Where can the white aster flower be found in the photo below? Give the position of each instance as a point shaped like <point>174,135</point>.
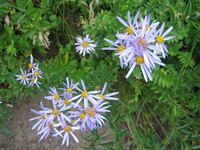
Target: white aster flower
<point>85,45</point>
<point>131,25</point>
<point>66,104</point>
<point>55,96</point>
<point>139,60</point>
<point>143,38</point>
<point>23,78</point>
<point>102,96</point>
<point>37,73</point>
<point>67,130</point>
<point>69,89</point>
<point>160,40</point>
<point>119,46</point>
<point>47,130</point>
<point>42,119</point>
<point>31,64</point>
<point>56,114</point>
<point>34,81</point>
<point>86,96</point>
<point>93,115</point>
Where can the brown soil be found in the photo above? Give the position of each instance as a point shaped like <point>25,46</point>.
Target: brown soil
<point>23,138</point>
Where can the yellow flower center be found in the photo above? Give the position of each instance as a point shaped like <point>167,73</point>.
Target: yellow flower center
<point>67,129</point>
<point>43,117</point>
<point>139,59</point>
<point>33,79</point>
<point>36,73</point>
<point>73,109</point>
<point>101,96</point>
<point>55,112</point>
<point>141,41</point>
<point>84,93</point>
<point>90,112</point>
<point>85,44</point>
<point>67,102</point>
<point>30,66</point>
<point>73,121</point>
<point>160,39</point>
<point>120,48</point>
<point>81,104</point>
<point>69,90</point>
<point>56,96</point>
<point>82,115</point>
<point>23,76</point>
<point>129,30</point>
<point>147,28</point>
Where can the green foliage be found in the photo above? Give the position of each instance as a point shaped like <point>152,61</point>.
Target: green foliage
<point>159,115</point>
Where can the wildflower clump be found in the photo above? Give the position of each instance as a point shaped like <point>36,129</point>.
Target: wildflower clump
<point>73,109</point>
<point>142,43</point>
<point>30,76</point>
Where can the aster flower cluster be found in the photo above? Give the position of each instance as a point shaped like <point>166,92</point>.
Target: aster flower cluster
<point>142,43</point>
<point>30,76</point>
<point>73,109</point>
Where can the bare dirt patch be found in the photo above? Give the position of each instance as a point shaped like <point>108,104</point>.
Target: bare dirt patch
<point>23,138</point>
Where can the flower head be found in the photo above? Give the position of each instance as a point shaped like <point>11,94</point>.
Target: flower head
<point>131,25</point>
<point>143,44</point>
<point>37,73</point>
<point>84,45</point>
<point>102,96</point>
<point>34,81</point>
<point>85,95</point>
<point>67,131</point>
<point>23,77</point>
<point>42,119</point>
<point>160,39</point>
<point>94,115</point>
<point>31,64</point>
<point>69,89</point>
<point>55,96</point>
